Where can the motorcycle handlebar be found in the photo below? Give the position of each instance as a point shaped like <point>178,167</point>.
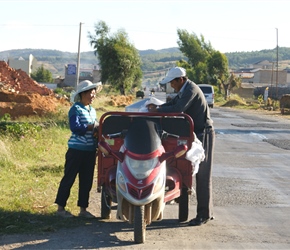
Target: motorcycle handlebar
<point>116,135</point>
<point>122,134</point>
<point>165,134</point>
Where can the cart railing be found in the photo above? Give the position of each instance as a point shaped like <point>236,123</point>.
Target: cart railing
<point>179,124</point>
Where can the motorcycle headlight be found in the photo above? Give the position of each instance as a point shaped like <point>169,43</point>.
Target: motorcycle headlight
<point>140,169</point>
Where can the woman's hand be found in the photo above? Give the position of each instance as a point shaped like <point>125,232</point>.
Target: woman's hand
<point>93,126</point>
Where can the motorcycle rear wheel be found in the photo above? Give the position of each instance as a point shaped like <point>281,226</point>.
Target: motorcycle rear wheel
<point>106,203</point>
<point>183,205</point>
<point>139,224</point>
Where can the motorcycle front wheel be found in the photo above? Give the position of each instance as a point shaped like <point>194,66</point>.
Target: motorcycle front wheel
<point>139,224</point>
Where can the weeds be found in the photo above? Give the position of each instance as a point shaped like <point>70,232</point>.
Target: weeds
<point>31,168</point>
<point>32,155</point>
<point>19,130</point>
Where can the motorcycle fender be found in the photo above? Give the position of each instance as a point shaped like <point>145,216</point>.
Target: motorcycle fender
<point>153,210</point>
<point>110,182</point>
<point>173,184</point>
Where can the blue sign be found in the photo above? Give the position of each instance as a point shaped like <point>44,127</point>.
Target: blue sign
<point>71,69</point>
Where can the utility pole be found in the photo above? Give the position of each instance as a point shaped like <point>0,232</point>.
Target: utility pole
<point>277,65</point>
<point>78,64</point>
<point>271,80</point>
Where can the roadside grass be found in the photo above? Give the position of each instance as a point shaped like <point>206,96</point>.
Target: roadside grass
<point>31,168</point>
<point>235,101</point>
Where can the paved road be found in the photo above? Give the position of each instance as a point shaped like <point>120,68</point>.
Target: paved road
<point>251,180</point>
<point>251,195</point>
<point>135,107</point>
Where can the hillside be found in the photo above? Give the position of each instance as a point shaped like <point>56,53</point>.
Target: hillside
<point>53,60</point>
<point>154,62</point>
<point>242,59</point>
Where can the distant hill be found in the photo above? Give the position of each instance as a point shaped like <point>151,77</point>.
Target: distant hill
<point>242,59</point>
<point>54,60</point>
<point>152,60</point>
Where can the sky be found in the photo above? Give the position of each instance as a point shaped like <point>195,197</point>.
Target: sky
<point>230,26</point>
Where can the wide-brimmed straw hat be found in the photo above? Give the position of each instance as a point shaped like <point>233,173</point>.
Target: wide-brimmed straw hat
<point>84,86</point>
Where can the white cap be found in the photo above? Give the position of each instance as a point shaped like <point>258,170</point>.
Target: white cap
<point>173,73</point>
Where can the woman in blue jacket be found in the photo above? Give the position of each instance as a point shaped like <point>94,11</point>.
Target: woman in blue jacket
<point>80,158</point>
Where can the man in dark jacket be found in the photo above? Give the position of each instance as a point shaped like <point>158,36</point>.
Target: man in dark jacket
<point>190,100</point>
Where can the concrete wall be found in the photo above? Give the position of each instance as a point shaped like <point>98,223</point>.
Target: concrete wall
<point>247,93</point>
<point>96,76</point>
<point>288,78</point>
<point>32,64</point>
<point>70,79</point>
<point>269,76</point>
<point>50,85</point>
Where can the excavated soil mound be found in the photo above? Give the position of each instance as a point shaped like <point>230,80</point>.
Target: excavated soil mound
<point>28,104</point>
<point>22,96</point>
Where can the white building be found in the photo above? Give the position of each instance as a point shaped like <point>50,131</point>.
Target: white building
<point>28,66</point>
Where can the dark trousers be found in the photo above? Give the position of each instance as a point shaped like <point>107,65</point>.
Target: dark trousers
<point>82,163</point>
<point>204,175</point>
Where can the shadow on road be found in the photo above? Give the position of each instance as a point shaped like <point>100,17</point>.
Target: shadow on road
<point>88,234</point>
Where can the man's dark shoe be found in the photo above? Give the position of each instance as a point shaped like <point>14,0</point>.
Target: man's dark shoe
<point>198,221</point>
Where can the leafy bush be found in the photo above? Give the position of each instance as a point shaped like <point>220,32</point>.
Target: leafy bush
<point>260,99</point>
<point>5,117</point>
<point>19,130</point>
<point>63,91</point>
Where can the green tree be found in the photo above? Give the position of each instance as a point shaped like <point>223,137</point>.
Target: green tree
<point>218,71</point>
<point>194,48</point>
<point>205,65</point>
<point>197,51</point>
<point>42,75</point>
<point>232,82</point>
<point>119,59</point>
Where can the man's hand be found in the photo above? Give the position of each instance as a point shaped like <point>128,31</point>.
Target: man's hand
<point>152,108</point>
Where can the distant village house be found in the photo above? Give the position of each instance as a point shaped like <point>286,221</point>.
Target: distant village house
<point>69,80</point>
<point>27,66</point>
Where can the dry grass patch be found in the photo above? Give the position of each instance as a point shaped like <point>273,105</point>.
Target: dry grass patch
<point>120,100</point>
<point>233,103</point>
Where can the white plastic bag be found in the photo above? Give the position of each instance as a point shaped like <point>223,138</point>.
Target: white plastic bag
<point>152,100</point>
<point>195,155</point>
